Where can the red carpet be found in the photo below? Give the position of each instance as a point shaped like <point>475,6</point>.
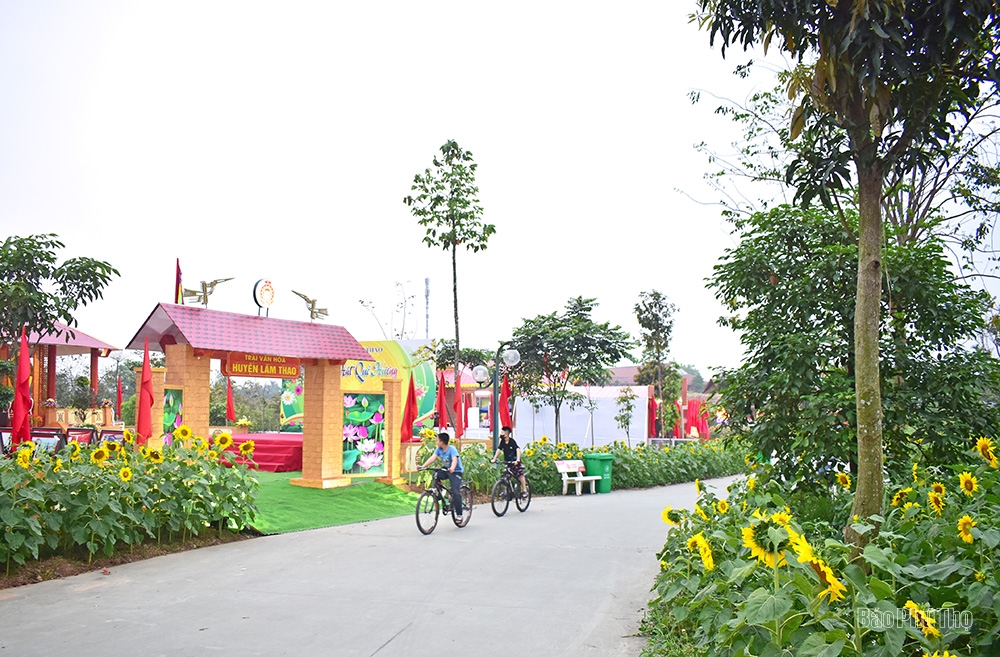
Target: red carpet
<point>273,452</point>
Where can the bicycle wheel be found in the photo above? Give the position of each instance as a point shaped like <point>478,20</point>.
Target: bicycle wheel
<point>466,508</point>
<point>427,512</point>
<point>521,500</point>
<point>500,498</point>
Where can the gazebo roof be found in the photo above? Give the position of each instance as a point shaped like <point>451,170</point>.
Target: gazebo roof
<point>219,331</point>
<point>70,341</point>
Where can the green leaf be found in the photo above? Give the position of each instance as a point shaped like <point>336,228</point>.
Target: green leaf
<point>763,606</point>
<point>881,590</point>
<point>816,646</point>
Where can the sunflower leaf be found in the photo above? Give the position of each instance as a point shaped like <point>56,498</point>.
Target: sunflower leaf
<point>764,606</point>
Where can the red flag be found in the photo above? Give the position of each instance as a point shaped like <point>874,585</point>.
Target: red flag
<point>651,408</point>
<point>504,404</point>
<point>178,290</point>
<point>118,399</point>
<point>230,407</point>
<point>144,407</point>
<point>410,413</point>
<point>21,420</point>
<point>441,404</point>
<point>459,407</point>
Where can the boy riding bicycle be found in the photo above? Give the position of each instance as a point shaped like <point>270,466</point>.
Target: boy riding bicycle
<point>451,461</point>
<point>512,455</point>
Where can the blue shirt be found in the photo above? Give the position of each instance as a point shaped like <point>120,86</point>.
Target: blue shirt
<point>447,455</point>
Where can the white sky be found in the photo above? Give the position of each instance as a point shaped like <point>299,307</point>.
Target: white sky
<point>277,140</point>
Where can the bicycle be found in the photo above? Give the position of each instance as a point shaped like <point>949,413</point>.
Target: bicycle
<point>437,499</point>
<point>507,488</point>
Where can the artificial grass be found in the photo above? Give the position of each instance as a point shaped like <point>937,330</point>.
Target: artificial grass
<point>286,508</point>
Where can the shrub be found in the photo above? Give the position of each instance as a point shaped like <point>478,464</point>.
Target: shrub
<point>758,581</point>
<point>99,498</point>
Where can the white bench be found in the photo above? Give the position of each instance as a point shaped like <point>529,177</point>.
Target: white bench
<point>573,475</point>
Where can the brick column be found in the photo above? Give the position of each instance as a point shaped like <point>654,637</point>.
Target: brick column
<point>323,428</point>
<point>194,376</point>
<point>156,414</point>
<point>393,389</point>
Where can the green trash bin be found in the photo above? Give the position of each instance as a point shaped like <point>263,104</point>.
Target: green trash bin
<point>599,464</point>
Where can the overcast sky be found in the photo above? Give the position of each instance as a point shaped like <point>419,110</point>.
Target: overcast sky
<point>277,140</point>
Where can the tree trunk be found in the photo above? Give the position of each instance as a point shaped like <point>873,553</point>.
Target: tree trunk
<point>558,428</point>
<point>870,484</point>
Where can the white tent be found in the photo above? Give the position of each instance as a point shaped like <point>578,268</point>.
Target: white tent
<point>578,426</point>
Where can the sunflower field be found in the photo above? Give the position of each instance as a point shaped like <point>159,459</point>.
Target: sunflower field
<point>744,575</point>
<point>102,497</point>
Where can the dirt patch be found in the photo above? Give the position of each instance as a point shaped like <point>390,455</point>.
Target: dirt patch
<point>66,566</point>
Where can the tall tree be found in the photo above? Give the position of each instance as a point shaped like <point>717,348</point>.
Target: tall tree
<point>447,206</point>
<point>655,314</point>
<point>562,349</point>
<point>38,291</point>
<point>889,74</point>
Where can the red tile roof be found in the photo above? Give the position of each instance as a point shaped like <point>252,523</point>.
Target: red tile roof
<point>215,330</point>
<point>78,342</point>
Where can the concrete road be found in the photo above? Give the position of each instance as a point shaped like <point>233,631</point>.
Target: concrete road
<point>569,577</point>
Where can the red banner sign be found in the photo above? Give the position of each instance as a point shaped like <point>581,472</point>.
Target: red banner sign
<point>268,367</point>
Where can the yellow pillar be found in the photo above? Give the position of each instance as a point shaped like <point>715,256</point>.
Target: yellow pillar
<point>322,428</point>
<point>393,389</point>
<point>193,375</point>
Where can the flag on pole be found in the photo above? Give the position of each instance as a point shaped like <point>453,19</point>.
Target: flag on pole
<point>230,406</point>
<point>459,407</point>
<point>441,403</point>
<point>178,290</point>
<point>144,407</point>
<point>410,412</point>
<point>504,404</point>
<point>21,411</point>
<point>118,400</point>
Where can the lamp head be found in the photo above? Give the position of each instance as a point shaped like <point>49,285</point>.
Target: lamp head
<point>480,373</point>
<point>511,357</point>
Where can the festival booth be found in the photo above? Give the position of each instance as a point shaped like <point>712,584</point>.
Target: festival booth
<point>389,363</point>
<point>254,346</point>
<point>64,341</point>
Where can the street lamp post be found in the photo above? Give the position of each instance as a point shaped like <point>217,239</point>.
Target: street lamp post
<point>510,357</point>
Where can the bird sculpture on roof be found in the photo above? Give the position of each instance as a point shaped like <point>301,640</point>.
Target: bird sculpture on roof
<point>314,312</point>
<point>207,288</point>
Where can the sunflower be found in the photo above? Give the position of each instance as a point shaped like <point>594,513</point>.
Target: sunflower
<point>223,440</point>
<point>938,488</point>
<point>965,525</point>
<point>750,482</point>
<point>200,444</point>
<point>58,466</point>
<point>901,496</point>
<point>144,452</point>
<point>246,448</point>
<point>844,480</point>
<point>800,545</point>
<point>980,577</point>
<point>154,455</point>
<point>74,450</point>
<point>543,440</point>
<point>700,543</point>
<point>914,472</point>
<point>28,445</point>
<point>924,622</point>
<point>183,432</point>
<point>756,538</point>
<point>111,446</point>
<point>936,502</point>
<point>128,436</point>
<point>697,486</point>
<point>968,483</point>
<point>985,448</point>
<point>782,517</point>
<point>125,474</point>
<point>527,452</point>
<point>212,455</point>
<point>24,458</point>
<point>700,513</point>
<point>723,506</point>
<point>834,588</point>
<point>670,516</point>
<point>99,455</point>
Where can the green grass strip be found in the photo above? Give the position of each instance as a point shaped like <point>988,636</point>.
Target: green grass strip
<point>286,508</point>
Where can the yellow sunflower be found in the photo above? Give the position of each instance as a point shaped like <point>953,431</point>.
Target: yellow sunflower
<point>543,440</point>
<point>223,440</point>
<point>111,446</point>
<point>670,516</point>
<point>527,452</point>
<point>144,452</point>
<point>28,445</point>
<point>751,482</point>
<point>834,588</point>
<point>800,545</point>
<point>154,455</point>
<point>212,455</point>
<point>58,466</point>
<point>183,432</point>
<point>697,486</point>
<point>128,436</point>
<point>782,517</point>
<point>99,455</point>
<point>968,483</point>
<point>700,543</point>
<point>937,487</point>
<point>723,506</point>
<point>844,480</point>
<point>924,622</point>
<point>700,513</point>
<point>914,472</point>
<point>74,449</point>
<point>936,502</point>
<point>200,444</point>
<point>901,496</point>
<point>125,474</point>
<point>965,525</point>
<point>980,577</point>
<point>757,539</point>
<point>246,448</point>
<point>24,458</point>
<point>985,448</point>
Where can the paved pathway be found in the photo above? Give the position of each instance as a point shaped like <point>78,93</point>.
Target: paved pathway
<point>569,577</point>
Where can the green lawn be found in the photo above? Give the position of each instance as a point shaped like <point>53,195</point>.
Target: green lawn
<point>287,508</point>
